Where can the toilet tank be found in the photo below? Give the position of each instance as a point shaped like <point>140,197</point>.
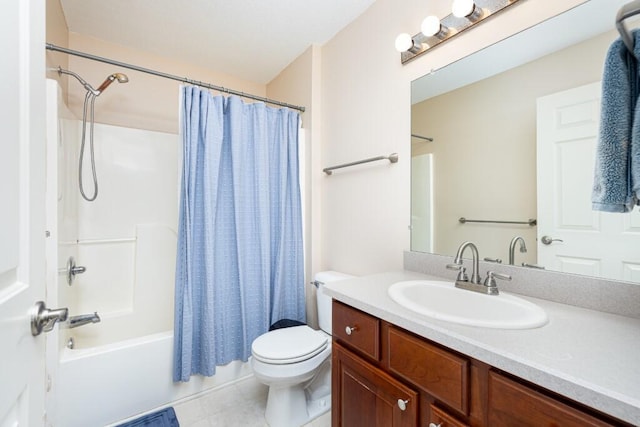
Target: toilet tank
<point>323,300</point>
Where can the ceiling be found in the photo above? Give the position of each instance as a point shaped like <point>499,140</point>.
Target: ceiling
<point>250,39</point>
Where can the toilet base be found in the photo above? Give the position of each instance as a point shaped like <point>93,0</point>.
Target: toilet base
<point>289,407</point>
<point>294,406</point>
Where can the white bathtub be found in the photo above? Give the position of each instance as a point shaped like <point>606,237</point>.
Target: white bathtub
<point>103,385</point>
<point>126,239</point>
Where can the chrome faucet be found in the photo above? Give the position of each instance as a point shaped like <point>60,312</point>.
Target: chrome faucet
<point>462,281</point>
<point>475,276</point>
<point>83,319</point>
<point>512,248</point>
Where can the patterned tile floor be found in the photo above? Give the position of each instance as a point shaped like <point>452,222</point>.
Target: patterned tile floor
<point>241,404</point>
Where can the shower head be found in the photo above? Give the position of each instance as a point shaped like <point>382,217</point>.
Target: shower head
<point>86,85</point>
<point>121,78</point>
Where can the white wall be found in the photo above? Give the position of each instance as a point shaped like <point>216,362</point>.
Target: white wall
<point>366,112</point>
<point>359,107</point>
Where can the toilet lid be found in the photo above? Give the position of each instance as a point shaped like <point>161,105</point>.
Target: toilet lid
<point>289,345</point>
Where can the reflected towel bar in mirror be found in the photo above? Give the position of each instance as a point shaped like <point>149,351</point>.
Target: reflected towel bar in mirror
<point>426,138</point>
<point>530,222</point>
<point>393,158</point>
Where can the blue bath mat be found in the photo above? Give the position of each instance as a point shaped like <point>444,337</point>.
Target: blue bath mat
<point>164,418</point>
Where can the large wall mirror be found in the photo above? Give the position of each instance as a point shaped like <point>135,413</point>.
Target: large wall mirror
<point>508,135</point>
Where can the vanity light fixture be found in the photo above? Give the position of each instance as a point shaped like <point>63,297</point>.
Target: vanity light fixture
<point>466,9</point>
<point>405,43</point>
<point>464,15</point>
<point>432,27</point>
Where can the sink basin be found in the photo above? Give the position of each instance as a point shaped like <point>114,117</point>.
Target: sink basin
<point>442,300</point>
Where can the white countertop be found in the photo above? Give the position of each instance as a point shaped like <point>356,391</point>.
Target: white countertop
<point>588,356</point>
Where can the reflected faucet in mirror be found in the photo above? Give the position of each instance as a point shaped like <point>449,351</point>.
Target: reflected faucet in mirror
<point>512,248</point>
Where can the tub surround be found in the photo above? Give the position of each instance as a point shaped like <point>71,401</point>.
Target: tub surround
<point>586,355</point>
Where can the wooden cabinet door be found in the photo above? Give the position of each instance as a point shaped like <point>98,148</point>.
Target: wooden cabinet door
<point>514,404</point>
<point>363,395</point>
<point>440,418</point>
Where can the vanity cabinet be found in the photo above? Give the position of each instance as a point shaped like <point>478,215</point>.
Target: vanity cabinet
<point>514,404</point>
<point>367,396</point>
<point>364,394</point>
<point>383,375</point>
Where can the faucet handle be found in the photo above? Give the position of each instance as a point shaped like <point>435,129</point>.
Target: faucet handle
<point>539,267</point>
<point>490,280</point>
<point>462,275</point>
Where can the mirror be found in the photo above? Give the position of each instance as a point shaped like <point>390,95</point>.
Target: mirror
<point>477,150</point>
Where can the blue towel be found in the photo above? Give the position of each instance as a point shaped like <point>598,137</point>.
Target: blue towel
<point>163,418</point>
<point>616,186</point>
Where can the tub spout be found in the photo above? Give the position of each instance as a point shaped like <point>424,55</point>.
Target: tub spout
<point>83,319</point>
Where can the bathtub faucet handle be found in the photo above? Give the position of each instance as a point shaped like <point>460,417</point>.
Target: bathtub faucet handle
<point>78,270</point>
<point>72,270</point>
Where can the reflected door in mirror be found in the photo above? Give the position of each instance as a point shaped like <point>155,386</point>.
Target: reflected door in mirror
<point>578,239</point>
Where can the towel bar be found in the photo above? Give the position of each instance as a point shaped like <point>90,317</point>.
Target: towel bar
<point>393,158</point>
<point>530,222</point>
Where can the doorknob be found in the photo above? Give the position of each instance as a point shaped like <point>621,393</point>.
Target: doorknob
<point>44,319</point>
<point>547,240</point>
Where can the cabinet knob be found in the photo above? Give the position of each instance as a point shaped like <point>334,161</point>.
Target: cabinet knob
<point>435,425</point>
<point>402,404</point>
<point>349,329</point>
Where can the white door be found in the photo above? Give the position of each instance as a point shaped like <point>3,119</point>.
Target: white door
<point>422,203</point>
<point>571,236</point>
<point>22,231</point>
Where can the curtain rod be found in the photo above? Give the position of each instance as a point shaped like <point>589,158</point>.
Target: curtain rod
<point>53,47</point>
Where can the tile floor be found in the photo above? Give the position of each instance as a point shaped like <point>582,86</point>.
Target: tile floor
<point>241,404</point>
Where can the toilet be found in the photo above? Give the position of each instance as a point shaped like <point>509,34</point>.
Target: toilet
<point>295,363</point>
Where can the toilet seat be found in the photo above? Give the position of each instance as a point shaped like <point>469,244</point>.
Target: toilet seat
<point>289,345</point>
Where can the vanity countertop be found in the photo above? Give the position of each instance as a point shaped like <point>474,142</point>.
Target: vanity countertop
<point>586,355</point>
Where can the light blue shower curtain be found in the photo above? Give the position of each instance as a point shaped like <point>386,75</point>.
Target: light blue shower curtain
<point>240,253</point>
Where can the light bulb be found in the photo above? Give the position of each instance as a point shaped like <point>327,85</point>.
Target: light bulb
<point>404,42</point>
<point>430,26</point>
<point>462,8</point>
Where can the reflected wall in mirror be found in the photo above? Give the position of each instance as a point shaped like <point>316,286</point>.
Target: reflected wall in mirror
<point>492,117</point>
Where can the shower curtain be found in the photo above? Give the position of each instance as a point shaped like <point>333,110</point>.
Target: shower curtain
<point>240,253</point>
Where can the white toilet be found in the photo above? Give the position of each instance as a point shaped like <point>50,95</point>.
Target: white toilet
<point>295,363</point>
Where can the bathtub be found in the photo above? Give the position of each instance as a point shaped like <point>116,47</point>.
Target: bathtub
<point>122,366</point>
<point>102,385</point>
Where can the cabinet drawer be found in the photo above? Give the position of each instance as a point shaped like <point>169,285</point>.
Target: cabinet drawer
<point>442,419</point>
<point>440,373</point>
<point>512,403</point>
<point>357,329</point>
